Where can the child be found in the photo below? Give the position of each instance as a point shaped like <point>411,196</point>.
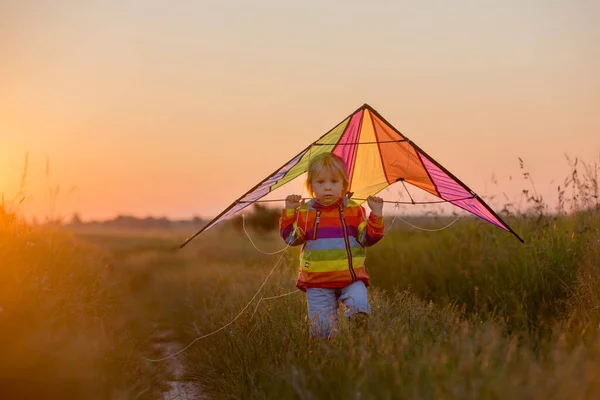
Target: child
<point>334,232</point>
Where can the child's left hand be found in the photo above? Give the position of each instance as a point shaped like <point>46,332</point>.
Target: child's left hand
<point>376,205</point>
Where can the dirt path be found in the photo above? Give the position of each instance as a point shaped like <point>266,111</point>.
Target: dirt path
<point>163,345</point>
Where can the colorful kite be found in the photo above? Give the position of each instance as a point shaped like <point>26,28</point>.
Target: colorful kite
<point>377,155</point>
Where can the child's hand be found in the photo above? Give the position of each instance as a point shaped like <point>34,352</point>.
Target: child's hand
<point>376,205</point>
<point>293,201</point>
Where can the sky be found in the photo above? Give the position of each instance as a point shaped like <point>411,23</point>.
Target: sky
<point>178,108</point>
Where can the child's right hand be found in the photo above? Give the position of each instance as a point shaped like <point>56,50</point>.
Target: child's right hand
<point>293,201</point>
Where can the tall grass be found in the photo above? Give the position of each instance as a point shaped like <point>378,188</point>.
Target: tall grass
<point>63,333</point>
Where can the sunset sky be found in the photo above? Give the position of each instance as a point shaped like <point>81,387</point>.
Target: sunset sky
<point>177,108</point>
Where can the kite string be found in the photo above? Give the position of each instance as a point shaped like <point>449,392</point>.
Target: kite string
<point>431,230</point>
<point>251,241</point>
<point>397,206</point>
<point>271,298</point>
<point>227,324</point>
<point>392,223</point>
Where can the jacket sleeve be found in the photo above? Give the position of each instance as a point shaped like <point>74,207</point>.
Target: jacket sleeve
<point>289,230</point>
<point>370,230</point>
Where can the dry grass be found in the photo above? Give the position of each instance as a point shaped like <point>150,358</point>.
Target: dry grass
<point>64,331</point>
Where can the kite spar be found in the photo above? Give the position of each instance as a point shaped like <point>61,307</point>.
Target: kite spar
<point>377,155</point>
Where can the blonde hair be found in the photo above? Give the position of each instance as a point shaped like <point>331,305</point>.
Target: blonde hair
<point>326,160</point>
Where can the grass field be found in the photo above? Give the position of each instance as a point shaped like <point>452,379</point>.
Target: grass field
<point>465,313</point>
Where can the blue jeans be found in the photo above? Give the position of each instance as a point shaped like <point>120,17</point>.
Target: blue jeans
<point>323,306</point>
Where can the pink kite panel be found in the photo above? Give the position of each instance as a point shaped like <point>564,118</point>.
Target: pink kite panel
<point>455,193</point>
<point>348,151</point>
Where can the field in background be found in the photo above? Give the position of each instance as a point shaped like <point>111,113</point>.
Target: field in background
<point>467,312</point>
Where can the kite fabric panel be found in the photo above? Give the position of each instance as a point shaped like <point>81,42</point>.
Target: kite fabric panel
<point>376,155</point>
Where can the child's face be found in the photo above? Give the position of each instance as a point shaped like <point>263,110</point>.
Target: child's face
<point>327,186</point>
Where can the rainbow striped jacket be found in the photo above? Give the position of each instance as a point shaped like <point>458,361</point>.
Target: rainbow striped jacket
<point>334,240</point>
